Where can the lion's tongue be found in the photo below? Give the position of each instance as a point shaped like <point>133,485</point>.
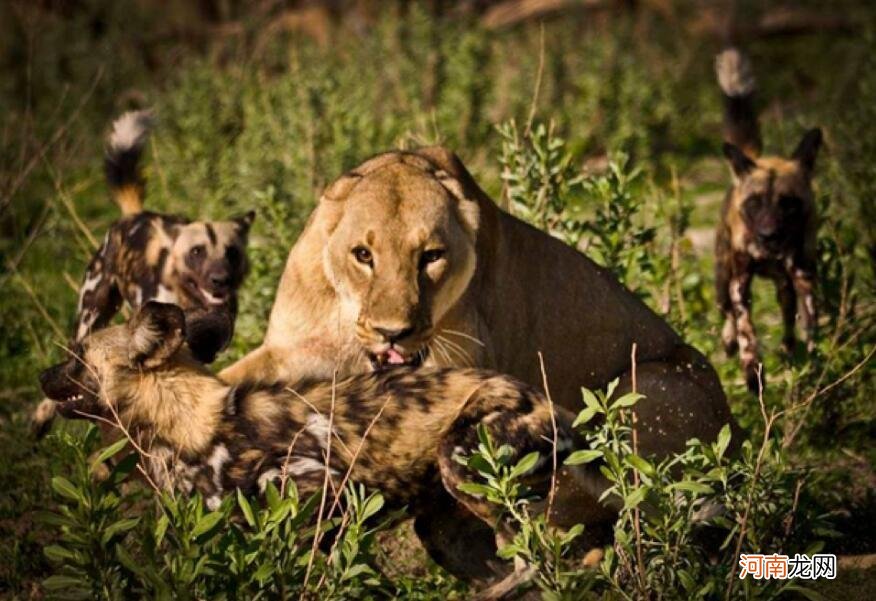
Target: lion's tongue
<point>393,357</point>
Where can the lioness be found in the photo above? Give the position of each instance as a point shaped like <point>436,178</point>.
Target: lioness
<point>407,261</point>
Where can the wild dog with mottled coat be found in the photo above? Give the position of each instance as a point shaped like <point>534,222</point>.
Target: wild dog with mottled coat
<point>397,431</point>
<point>198,265</point>
<point>768,223</point>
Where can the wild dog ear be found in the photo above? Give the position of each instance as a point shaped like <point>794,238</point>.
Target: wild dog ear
<point>740,162</point>
<point>244,222</point>
<point>807,149</point>
<point>157,331</point>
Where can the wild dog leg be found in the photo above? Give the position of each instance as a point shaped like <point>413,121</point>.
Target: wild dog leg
<point>99,296</point>
<point>515,419</point>
<point>788,301</point>
<point>740,296</point>
<point>459,542</point>
<point>722,292</point>
<point>99,301</point>
<point>804,285</point>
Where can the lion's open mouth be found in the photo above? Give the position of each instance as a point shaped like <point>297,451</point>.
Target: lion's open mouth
<point>392,358</point>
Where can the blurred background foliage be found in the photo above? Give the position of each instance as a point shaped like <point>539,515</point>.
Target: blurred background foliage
<point>607,108</point>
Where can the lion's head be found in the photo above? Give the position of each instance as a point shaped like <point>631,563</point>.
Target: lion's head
<point>401,232</point>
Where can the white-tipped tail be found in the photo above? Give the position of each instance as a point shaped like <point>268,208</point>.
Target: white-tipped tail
<point>734,73</point>
<point>131,130</point>
<point>122,162</point>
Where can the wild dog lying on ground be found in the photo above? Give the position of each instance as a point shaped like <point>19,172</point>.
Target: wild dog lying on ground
<point>768,223</point>
<point>396,431</point>
<point>198,265</point>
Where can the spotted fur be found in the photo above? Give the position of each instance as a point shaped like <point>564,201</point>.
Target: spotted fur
<point>768,223</point>
<point>198,265</point>
<point>204,435</point>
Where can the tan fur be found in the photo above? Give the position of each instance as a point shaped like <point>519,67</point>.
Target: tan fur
<point>527,293</point>
<point>129,199</point>
<point>505,292</point>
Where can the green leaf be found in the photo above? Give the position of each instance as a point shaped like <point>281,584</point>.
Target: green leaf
<point>525,465</point>
<point>129,562</point>
<point>640,464</point>
<point>628,400</point>
<point>478,463</point>
<point>123,468</point>
<point>691,486</point>
<point>633,499</point>
<point>474,489</point>
<point>484,436</point>
<point>584,416</point>
<point>590,400</point>
<point>65,488</point>
<point>119,527</point>
<point>246,509</point>
<point>52,519</point>
<point>573,533</point>
<point>723,440</point>
<point>372,506</point>
<point>264,572</point>
<point>686,580</point>
<point>583,456</point>
<point>207,523</point>
<point>107,453</point>
<point>58,553</point>
<point>609,391</point>
<point>60,582</point>
<point>161,528</point>
<point>272,495</point>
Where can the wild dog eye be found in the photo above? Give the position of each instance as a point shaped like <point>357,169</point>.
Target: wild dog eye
<point>197,251</point>
<point>363,255</point>
<point>232,255</point>
<point>789,204</point>
<point>430,256</point>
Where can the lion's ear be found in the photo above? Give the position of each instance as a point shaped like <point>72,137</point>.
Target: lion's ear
<point>444,158</point>
<point>456,179</point>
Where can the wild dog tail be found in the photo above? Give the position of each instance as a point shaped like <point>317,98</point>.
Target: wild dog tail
<point>123,150</point>
<point>735,77</point>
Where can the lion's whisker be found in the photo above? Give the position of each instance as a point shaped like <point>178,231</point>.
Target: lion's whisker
<point>464,335</point>
<point>459,350</point>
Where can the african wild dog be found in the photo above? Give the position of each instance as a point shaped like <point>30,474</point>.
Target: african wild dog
<point>397,431</point>
<point>198,265</point>
<point>768,223</point>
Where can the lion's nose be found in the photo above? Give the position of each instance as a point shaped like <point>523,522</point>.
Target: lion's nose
<point>394,335</point>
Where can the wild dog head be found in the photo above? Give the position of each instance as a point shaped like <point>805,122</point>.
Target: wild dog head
<point>772,200</point>
<point>209,264</point>
<point>401,250</point>
<point>110,369</point>
<point>209,259</point>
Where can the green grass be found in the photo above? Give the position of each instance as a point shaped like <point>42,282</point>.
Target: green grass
<point>266,129</point>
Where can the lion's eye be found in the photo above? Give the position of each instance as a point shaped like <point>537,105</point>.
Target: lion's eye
<point>363,255</point>
<point>430,256</point>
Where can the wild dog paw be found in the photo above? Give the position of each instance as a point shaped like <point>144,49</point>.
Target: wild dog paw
<point>789,345</point>
<point>755,382</point>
